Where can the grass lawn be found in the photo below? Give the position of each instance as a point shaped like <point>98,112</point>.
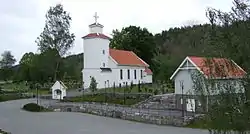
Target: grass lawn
<point>109,99</point>
<point>22,87</point>
<point>40,91</point>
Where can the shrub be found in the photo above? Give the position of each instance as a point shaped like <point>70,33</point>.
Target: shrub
<point>3,132</point>
<point>93,84</point>
<point>33,107</point>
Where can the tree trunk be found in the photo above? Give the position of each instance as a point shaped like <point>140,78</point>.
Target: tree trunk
<point>56,70</point>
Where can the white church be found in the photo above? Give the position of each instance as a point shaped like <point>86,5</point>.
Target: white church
<point>109,66</point>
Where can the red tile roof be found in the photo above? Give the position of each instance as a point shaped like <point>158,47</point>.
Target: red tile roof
<point>218,67</point>
<point>148,71</point>
<point>123,57</point>
<point>96,35</point>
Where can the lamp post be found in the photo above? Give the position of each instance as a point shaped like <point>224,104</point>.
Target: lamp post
<point>36,93</point>
<point>105,94</point>
<point>83,93</point>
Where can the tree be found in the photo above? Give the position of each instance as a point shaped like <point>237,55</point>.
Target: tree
<point>93,84</point>
<point>8,60</point>
<point>228,111</point>
<point>56,34</point>
<point>136,39</point>
<point>27,58</point>
<point>23,73</point>
<point>6,65</point>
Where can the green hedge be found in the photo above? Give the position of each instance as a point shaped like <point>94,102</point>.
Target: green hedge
<point>8,97</point>
<point>33,107</point>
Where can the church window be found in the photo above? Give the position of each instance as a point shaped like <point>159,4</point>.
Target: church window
<point>103,51</point>
<point>128,74</point>
<point>103,64</point>
<point>135,74</point>
<point>121,77</point>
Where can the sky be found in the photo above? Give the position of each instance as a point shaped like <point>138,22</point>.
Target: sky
<point>22,21</point>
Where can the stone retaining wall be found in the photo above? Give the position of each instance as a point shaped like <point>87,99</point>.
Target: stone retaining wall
<point>124,114</point>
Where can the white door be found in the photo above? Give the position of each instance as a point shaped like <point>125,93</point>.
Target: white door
<point>191,105</point>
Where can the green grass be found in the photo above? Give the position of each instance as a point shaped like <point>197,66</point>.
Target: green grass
<point>22,87</point>
<point>40,91</point>
<point>200,123</point>
<point>109,99</point>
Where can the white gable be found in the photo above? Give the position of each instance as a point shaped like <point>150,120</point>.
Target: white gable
<point>58,85</point>
<point>186,64</point>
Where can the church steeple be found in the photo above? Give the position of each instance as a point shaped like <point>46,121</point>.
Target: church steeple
<point>96,27</point>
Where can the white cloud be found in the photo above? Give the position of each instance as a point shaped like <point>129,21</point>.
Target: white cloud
<point>22,22</point>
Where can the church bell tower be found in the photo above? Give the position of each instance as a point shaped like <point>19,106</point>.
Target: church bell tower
<point>96,47</point>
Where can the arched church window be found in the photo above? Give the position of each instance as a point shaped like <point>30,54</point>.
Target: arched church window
<point>103,51</point>
<point>103,64</point>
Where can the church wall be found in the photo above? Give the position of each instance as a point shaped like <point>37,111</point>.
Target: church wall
<point>96,73</point>
<point>96,52</point>
<point>125,75</point>
<point>108,79</point>
<point>148,79</point>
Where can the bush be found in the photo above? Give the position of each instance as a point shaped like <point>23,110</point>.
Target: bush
<point>3,132</point>
<point>33,107</point>
<point>93,84</point>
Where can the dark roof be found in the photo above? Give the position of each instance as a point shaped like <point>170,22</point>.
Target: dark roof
<point>96,24</point>
<point>96,35</point>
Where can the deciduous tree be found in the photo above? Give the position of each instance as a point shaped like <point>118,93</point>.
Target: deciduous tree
<point>56,33</point>
<point>136,39</point>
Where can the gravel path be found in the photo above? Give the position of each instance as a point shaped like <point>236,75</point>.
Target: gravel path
<point>17,121</point>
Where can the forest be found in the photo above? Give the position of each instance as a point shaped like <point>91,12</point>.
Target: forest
<point>225,36</point>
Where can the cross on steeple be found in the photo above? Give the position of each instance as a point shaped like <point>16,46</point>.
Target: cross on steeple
<point>96,17</point>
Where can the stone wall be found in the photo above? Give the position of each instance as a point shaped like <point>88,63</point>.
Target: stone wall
<point>123,113</point>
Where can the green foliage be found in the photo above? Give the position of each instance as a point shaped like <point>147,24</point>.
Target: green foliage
<point>229,110</point>
<point>56,35</point>
<point>72,66</point>
<point>8,60</point>
<point>6,65</point>
<point>33,107</point>
<point>93,84</point>
<point>3,132</point>
<point>136,39</point>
